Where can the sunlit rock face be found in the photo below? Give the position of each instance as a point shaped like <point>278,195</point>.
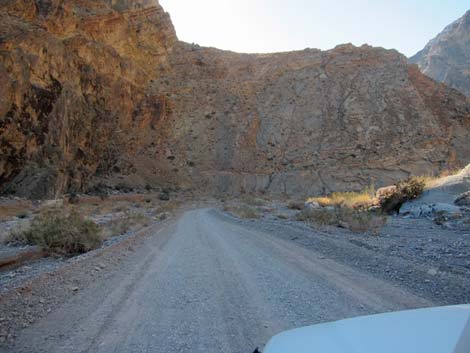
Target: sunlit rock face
<point>446,58</point>
<point>103,92</point>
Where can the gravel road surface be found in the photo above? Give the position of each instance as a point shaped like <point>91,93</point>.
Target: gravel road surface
<point>207,283</point>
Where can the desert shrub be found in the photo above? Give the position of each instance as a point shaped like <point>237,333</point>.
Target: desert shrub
<point>118,226</point>
<point>412,187</point>
<point>405,190</point>
<point>243,212</point>
<point>58,232</point>
<point>349,218</point>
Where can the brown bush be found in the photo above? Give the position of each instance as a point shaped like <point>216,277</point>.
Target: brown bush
<point>403,191</point>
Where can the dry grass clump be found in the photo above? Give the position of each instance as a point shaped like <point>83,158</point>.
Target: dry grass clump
<point>59,232</point>
<point>252,200</point>
<point>351,210</point>
<point>349,218</point>
<point>431,181</point>
<point>243,211</point>
<point>350,199</point>
<point>388,199</point>
<point>130,221</point>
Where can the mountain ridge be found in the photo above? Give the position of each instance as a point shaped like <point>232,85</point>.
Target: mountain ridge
<point>446,58</point>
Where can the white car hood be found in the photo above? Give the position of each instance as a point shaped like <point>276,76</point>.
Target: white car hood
<point>434,330</point>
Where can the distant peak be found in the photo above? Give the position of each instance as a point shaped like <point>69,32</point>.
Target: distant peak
<point>445,58</point>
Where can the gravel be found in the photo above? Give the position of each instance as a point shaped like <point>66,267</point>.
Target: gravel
<point>209,282</point>
<point>429,260</point>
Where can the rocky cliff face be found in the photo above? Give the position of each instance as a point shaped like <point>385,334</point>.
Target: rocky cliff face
<point>307,121</point>
<point>446,58</point>
<point>75,89</point>
<point>103,91</point>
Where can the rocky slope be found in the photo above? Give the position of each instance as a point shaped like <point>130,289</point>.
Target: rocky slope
<point>102,91</point>
<point>446,58</point>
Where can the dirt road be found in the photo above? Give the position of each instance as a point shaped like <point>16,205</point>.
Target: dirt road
<point>206,283</point>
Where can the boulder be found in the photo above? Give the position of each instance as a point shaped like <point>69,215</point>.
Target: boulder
<point>431,210</point>
<point>446,209</point>
<point>313,205</point>
<point>310,208</point>
<point>386,191</point>
<point>463,199</point>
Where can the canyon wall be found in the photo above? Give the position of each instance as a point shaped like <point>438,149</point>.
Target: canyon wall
<point>102,92</point>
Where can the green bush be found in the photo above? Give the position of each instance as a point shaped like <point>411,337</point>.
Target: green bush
<point>61,233</point>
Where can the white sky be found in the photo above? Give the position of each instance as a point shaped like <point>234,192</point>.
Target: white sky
<point>281,25</point>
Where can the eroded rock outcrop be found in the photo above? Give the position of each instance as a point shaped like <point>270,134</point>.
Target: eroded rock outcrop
<point>446,58</point>
<point>103,91</point>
